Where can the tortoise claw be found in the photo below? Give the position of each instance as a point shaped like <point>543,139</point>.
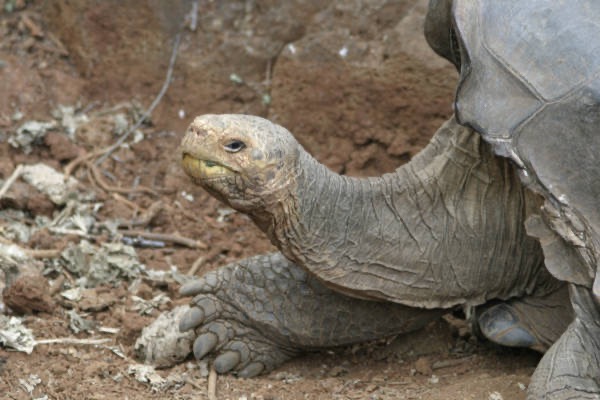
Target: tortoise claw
<point>252,370</point>
<point>204,344</point>
<point>191,319</point>
<point>227,361</point>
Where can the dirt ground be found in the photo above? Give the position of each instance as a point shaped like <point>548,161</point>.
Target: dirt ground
<point>37,73</point>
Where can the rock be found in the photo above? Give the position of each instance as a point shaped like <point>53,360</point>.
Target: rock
<point>49,181</point>
<point>29,293</point>
<point>423,366</point>
<point>22,196</point>
<point>39,204</point>
<point>14,262</point>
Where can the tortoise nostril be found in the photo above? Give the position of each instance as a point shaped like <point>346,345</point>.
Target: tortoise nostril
<point>199,132</point>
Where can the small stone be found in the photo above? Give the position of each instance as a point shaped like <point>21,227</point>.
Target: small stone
<point>28,294</point>
<point>423,366</point>
<point>49,181</point>
<point>235,78</point>
<point>495,396</point>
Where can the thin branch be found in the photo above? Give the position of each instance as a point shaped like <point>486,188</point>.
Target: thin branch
<point>128,203</point>
<point>97,176</point>
<point>145,218</point>
<point>70,340</point>
<point>212,384</point>
<point>150,109</point>
<point>166,237</point>
<point>72,166</point>
<point>34,253</point>
<point>196,265</point>
<point>8,183</point>
<point>44,253</point>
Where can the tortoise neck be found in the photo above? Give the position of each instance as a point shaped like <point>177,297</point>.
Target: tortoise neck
<point>411,236</point>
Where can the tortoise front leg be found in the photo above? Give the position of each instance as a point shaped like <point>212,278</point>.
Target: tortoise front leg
<point>255,314</point>
<point>571,368</point>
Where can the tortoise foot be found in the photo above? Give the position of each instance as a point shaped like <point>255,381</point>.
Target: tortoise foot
<point>571,368</point>
<point>531,322</point>
<point>254,315</point>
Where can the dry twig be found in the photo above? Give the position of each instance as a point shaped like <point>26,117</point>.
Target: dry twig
<point>70,340</point>
<point>97,176</point>
<point>63,50</point>
<point>212,384</point>
<point>8,183</point>
<point>451,363</point>
<point>145,218</point>
<point>44,253</point>
<point>166,237</point>
<point>196,265</point>
<point>73,165</point>
<point>128,203</point>
<point>57,285</point>
<point>35,253</point>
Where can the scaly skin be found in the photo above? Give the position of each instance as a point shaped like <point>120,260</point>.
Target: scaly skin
<point>445,229</point>
<point>259,312</point>
<point>571,368</point>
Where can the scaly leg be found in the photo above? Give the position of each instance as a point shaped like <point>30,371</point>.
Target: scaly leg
<point>255,314</point>
<point>571,368</point>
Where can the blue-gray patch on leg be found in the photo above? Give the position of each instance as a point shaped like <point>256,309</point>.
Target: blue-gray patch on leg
<point>501,325</point>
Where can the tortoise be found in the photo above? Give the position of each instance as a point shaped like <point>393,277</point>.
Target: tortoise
<point>499,212</point>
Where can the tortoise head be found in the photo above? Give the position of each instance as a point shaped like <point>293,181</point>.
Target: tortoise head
<point>242,160</point>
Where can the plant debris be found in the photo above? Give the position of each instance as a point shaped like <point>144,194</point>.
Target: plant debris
<point>160,344</point>
<point>14,335</point>
<point>30,133</point>
<point>109,263</point>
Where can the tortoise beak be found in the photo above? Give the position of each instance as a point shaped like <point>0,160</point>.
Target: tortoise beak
<point>203,168</point>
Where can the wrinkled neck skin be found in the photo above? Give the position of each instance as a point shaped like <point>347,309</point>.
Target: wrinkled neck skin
<point>443,230</point>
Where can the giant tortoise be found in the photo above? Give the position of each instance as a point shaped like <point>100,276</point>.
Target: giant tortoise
<point>365,258</point>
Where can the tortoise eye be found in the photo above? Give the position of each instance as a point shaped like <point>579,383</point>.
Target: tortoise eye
<point>234,146</point>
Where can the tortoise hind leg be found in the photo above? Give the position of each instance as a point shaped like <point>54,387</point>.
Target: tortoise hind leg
<point>532,322</point>
<point>571,368</point>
